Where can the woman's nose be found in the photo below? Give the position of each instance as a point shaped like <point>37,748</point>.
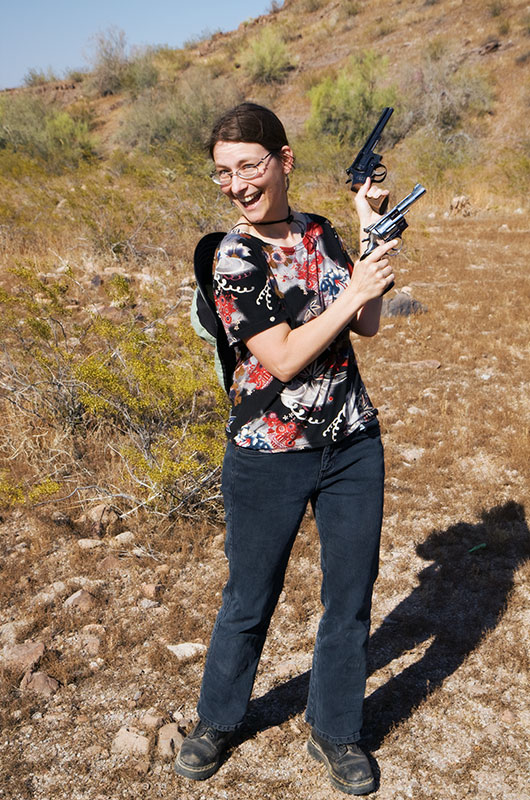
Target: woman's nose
<point>238,184</point>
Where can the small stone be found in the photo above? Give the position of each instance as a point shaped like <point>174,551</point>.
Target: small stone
<point>151,721</point>
<point>122,539</point>
<point>219,541</point>
<point>39,683</point>
<point>111,564</point>
<point>147,604</point>
<point>127,740</point>
<point>427,363</point>
<point>151,590</point>
<point>23,656</point>
<point>169,740</point>
<point>162,570</point>
<point>48,596</point>
<point>9,632</point>
<point>401,305</point>
<point>89,544</point>
<point>187,650</point>
<point>508,716</point>
<point>60,518</point>
<point>95,750</point>
<point>81,601</point>
<point>91,644</point>
<point>100,519</point>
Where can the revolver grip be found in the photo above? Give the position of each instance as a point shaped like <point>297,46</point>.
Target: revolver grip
<point>377,204</point>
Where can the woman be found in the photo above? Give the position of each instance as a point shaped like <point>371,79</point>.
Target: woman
<point>302,428</point>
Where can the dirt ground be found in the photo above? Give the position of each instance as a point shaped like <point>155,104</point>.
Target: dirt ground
<point>447,712</point>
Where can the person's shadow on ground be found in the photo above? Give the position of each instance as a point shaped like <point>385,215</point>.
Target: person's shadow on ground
<point>460,597</point>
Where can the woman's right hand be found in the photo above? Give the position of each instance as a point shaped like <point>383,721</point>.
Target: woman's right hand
<point>372,275</point>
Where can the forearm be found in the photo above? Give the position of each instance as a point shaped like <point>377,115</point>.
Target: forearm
<point>285,351</point>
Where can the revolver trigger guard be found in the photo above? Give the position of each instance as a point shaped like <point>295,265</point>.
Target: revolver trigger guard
<point>379,174</point>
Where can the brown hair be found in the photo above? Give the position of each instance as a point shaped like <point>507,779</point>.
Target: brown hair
<point>249,122</point>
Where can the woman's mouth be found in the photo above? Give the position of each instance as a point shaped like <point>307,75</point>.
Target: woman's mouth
<point>250,201</point>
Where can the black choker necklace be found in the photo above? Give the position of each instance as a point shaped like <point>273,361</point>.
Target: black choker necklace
<point>289,218</point>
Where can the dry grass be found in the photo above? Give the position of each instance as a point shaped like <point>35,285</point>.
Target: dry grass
<point>446,704</point>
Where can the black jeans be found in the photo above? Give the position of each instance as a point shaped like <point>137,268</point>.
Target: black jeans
<point>265,496</point>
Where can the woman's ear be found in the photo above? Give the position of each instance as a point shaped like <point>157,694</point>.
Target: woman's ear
<point>287,159</point>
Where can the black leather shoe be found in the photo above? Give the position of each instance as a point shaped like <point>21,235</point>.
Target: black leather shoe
<point>347,765</point>
<point>201,752</point>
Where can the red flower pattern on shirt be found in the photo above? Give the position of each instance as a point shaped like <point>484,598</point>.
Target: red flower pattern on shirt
<point>281,434</point>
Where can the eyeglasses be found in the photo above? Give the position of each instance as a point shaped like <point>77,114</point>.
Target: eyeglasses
<point>247,172</point>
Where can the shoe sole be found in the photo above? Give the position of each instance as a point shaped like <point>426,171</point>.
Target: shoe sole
<point>362,787</point>
<point>196,774</point>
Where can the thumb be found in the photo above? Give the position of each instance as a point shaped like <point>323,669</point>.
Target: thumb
<point>364,188</point>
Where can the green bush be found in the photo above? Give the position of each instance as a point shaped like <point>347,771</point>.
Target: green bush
<point>29,125</point>
<point>183,117</point>
<point>440,94</point>
<point>348,105</point>
<point>151,390</point>
<point>37,77</point>
<point>267,60</point>
<point>114,70</point>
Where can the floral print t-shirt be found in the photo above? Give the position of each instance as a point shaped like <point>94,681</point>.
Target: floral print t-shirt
<point>327,400</point>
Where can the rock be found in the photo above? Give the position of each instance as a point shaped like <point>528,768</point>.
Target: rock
<point>162,570</point>
<point>169,740</point>
<point>461,205</point>
<point>39,683</point>
<point>89,544</point>
<point>122,539</point>
<point>151,590</point>
<point>151,721</point>
<point>111,563</point>
<point>489,47</point>
<point>428,363</point>
<point>9,632</point>
<point>60,518</point>
<point>218,541</point>
<point>146,604</point>
<point>47,596</point>
<point>128,741</point>
<point>187,650</point>
<point>402,304</point>
<point>23,656</point>
<point>81,601</point>
<point>91,644</point>
<point>100,519</point>
<point>508,716</point>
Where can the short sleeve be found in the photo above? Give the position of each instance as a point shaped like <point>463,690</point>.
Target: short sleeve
<point>246,296</point>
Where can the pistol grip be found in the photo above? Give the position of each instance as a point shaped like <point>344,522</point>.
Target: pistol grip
<point>377,204</point>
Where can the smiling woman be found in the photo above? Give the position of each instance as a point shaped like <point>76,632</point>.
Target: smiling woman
<point>302,428</point>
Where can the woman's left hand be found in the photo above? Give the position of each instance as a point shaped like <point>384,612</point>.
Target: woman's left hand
<point>367,216</point>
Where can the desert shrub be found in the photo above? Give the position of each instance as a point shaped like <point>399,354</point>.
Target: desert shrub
<point>37,77</point>
<point>151,390</point>
<point>347,105</point>
<point>200,38</point>
<point>514,166</point>
<point>441,94</point>
<point>266,60</point>
<point>431,154</point>
<point>54,136</point>
<point>115,70</point>
<point>184,116</point>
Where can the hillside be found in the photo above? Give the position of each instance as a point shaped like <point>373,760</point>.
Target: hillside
<point>112,421</point>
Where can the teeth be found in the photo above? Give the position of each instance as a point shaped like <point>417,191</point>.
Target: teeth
<point>247,200</point>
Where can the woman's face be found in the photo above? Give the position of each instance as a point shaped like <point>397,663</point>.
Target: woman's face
<point>259,199</point>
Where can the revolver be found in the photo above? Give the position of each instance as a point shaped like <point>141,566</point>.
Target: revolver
<point>391,225</point>
<point>367,164</point>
